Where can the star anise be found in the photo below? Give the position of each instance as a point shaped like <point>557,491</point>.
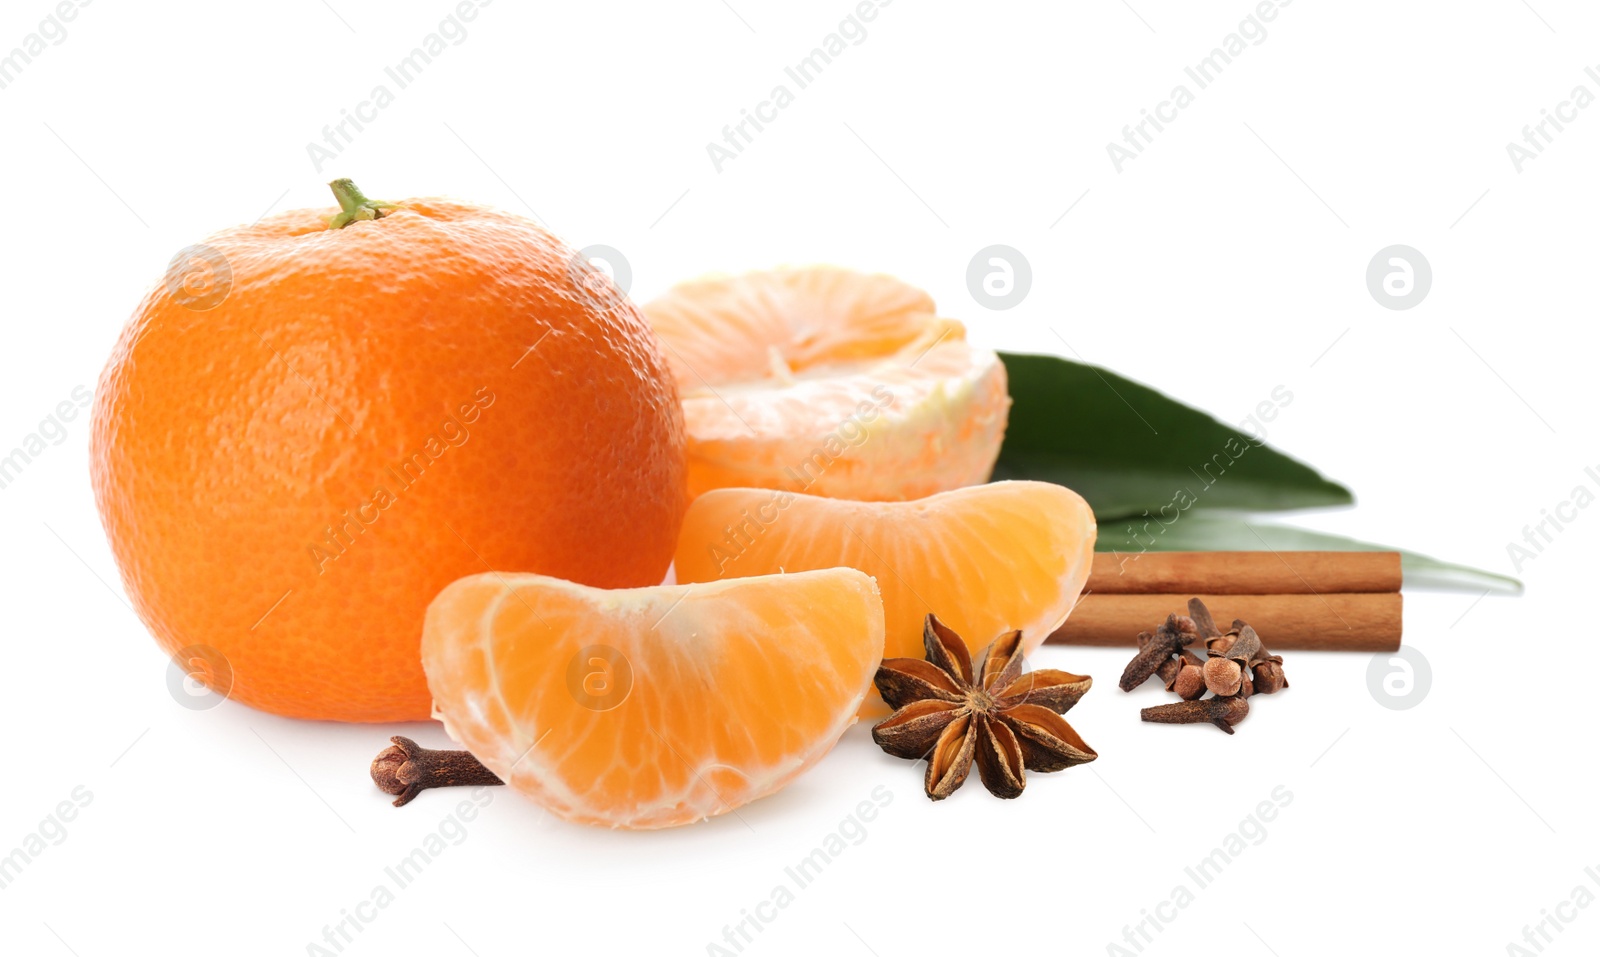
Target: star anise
<point>1004,719</point>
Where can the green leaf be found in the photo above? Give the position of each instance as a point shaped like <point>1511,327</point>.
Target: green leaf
<point>1129,449</point>
<point>1233,531</point>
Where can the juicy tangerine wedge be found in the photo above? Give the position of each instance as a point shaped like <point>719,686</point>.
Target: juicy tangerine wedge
<point>831,382</point>
<point>651,707</point>
<point>986,560</point>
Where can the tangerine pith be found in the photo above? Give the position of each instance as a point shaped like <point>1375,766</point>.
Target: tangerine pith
<point>829,381</point>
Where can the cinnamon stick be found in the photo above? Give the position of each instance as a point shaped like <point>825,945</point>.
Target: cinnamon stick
<point>1340,621</point>
<point>1242,573</point>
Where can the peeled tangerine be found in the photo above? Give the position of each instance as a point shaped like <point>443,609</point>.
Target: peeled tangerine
<point>986,560</point>
<point>651,707</point>
<point>831,382</point>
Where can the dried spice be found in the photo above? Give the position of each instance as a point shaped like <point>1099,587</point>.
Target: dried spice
<point>1180,675</point>
<point>1237,665</point>
<point>1268,676</point>
<point>1222,712</point>
<point>1177,632</point>
<point>407,769</point>
<point>1006,720</point>
<point>1237,658</point>
<point>1189,683</point>
<point>1223,677</point>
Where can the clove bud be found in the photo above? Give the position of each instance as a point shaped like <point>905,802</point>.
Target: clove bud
<point>1222,712</point>
<point>407,769</point>
<point>1268,676</point>
<point>1155,649</point>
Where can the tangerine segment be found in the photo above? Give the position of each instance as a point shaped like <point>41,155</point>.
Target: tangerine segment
<point>651,707</point>
<point>986,559</point>
<point>829,381</point>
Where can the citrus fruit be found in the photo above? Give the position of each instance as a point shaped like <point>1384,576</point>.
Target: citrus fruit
<point>986,560</point>
<point>307,431</point>
<point>651,707</point>
<point>830,382</point>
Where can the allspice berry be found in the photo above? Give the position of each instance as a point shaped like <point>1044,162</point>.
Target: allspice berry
<point>1190,682</point>
<point>1223,676</point>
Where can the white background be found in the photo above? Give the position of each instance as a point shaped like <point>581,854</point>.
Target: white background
<point>1226,260</point>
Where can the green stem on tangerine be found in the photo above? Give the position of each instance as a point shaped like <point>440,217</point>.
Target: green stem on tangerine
<point>354,204</point>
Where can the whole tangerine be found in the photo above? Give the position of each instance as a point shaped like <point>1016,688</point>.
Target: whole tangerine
<point>316,423</point>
